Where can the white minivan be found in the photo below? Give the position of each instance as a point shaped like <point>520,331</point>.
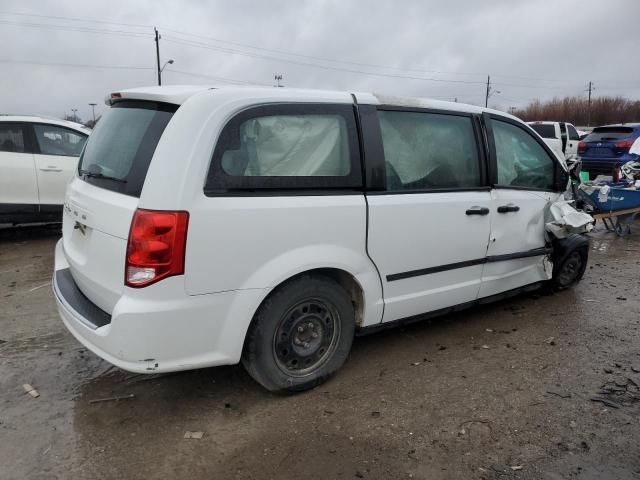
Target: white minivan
<point>38,157</point>
<point>209,226</point>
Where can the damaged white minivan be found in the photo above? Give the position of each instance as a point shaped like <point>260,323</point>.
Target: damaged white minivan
<point>268,226</point>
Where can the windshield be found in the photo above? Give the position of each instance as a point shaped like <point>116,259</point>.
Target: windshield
<point>545,131</point>
<point>119,150</point>
<point>600,134</point>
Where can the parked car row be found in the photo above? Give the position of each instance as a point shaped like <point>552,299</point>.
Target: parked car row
<point>38,157</point>
<point>600,151</point>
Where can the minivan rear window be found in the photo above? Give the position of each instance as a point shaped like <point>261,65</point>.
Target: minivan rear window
<point>544,130</point>
<point>600,134</point>
<point>119,150</point>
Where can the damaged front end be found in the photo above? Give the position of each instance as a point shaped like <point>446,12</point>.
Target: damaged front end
<point>562,220</point>
<point>565,228</point>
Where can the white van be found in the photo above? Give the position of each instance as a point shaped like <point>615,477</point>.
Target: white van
<point>208,226</point>
<point>38,157</point>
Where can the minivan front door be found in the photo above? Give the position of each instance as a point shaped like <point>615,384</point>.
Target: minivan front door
<point>429,220</point>
<point>523,190</point>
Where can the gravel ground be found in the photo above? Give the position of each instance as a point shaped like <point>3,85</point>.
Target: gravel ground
<point>537,387</point>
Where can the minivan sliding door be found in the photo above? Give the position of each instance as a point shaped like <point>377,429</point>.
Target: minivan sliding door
<point>429,219</point>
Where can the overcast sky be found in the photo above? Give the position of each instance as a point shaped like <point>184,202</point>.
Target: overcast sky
<point>441,49</point>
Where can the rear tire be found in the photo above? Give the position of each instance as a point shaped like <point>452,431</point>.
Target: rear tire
<point>301,335</point>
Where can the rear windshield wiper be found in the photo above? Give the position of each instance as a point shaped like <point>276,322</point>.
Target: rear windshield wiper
<point>89,174</point>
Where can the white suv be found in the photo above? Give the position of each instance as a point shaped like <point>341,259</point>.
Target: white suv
<point>38,157</point>
<point>208,226</point>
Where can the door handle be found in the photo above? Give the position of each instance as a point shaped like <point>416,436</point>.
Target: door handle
<point>51,169</point>
<point>508,208</point>
<point>477,211</point>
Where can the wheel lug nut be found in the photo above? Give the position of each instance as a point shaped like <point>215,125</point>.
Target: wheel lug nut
<point>300,329</point>
<point>314,335</point>
<point>305,344</point>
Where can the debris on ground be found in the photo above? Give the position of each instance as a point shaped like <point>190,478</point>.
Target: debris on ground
<point>30,390</point>
<point>113,399</point>
<point>559,394</point>
<point>550,341</point>
<point>618,393</point>
<point>195,435</point>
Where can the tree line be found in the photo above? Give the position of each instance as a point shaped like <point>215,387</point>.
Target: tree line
<point>604,110</point>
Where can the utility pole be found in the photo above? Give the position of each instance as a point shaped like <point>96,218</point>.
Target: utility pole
<point>93,110</point>
<point>490,92</point>
<point>589,107</point>
<point>486,98</point>
<point>158,55</point>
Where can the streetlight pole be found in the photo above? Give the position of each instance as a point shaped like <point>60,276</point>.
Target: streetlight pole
<point>93,110</point>
<point>75,117</point>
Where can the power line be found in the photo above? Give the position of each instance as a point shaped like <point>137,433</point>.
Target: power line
<point>206,46</point>
<point>71,28</point>
<point>333,60</point>
<point>274,51</point>
<point>221,79</point>
<point>75,65</point>
<point>75,19</point>
<point>309,64</point>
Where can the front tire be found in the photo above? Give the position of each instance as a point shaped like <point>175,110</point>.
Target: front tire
<point>570,269</point>
<point>301,335</point>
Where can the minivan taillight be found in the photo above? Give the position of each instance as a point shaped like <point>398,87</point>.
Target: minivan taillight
<point>156,246</point>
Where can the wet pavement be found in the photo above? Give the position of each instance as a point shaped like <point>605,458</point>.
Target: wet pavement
<point>537,387</point>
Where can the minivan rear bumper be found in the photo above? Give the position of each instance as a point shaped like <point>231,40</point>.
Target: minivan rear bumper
<point>159,328</point>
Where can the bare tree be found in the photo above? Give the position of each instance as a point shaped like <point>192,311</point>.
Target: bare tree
<point>604,110</point>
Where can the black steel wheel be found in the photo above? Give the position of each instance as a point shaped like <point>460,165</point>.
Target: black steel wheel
<point>300,335</point>
<point>306,337</point>
<point>570,270</point>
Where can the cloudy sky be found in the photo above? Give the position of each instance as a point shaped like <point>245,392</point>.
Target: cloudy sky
<point>59,55</point>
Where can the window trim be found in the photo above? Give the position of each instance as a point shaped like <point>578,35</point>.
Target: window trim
<point>36,144</point>
<point>26,136</point>
<point>220,183</point>
<point>493,160</point>
<point>375,161</point>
